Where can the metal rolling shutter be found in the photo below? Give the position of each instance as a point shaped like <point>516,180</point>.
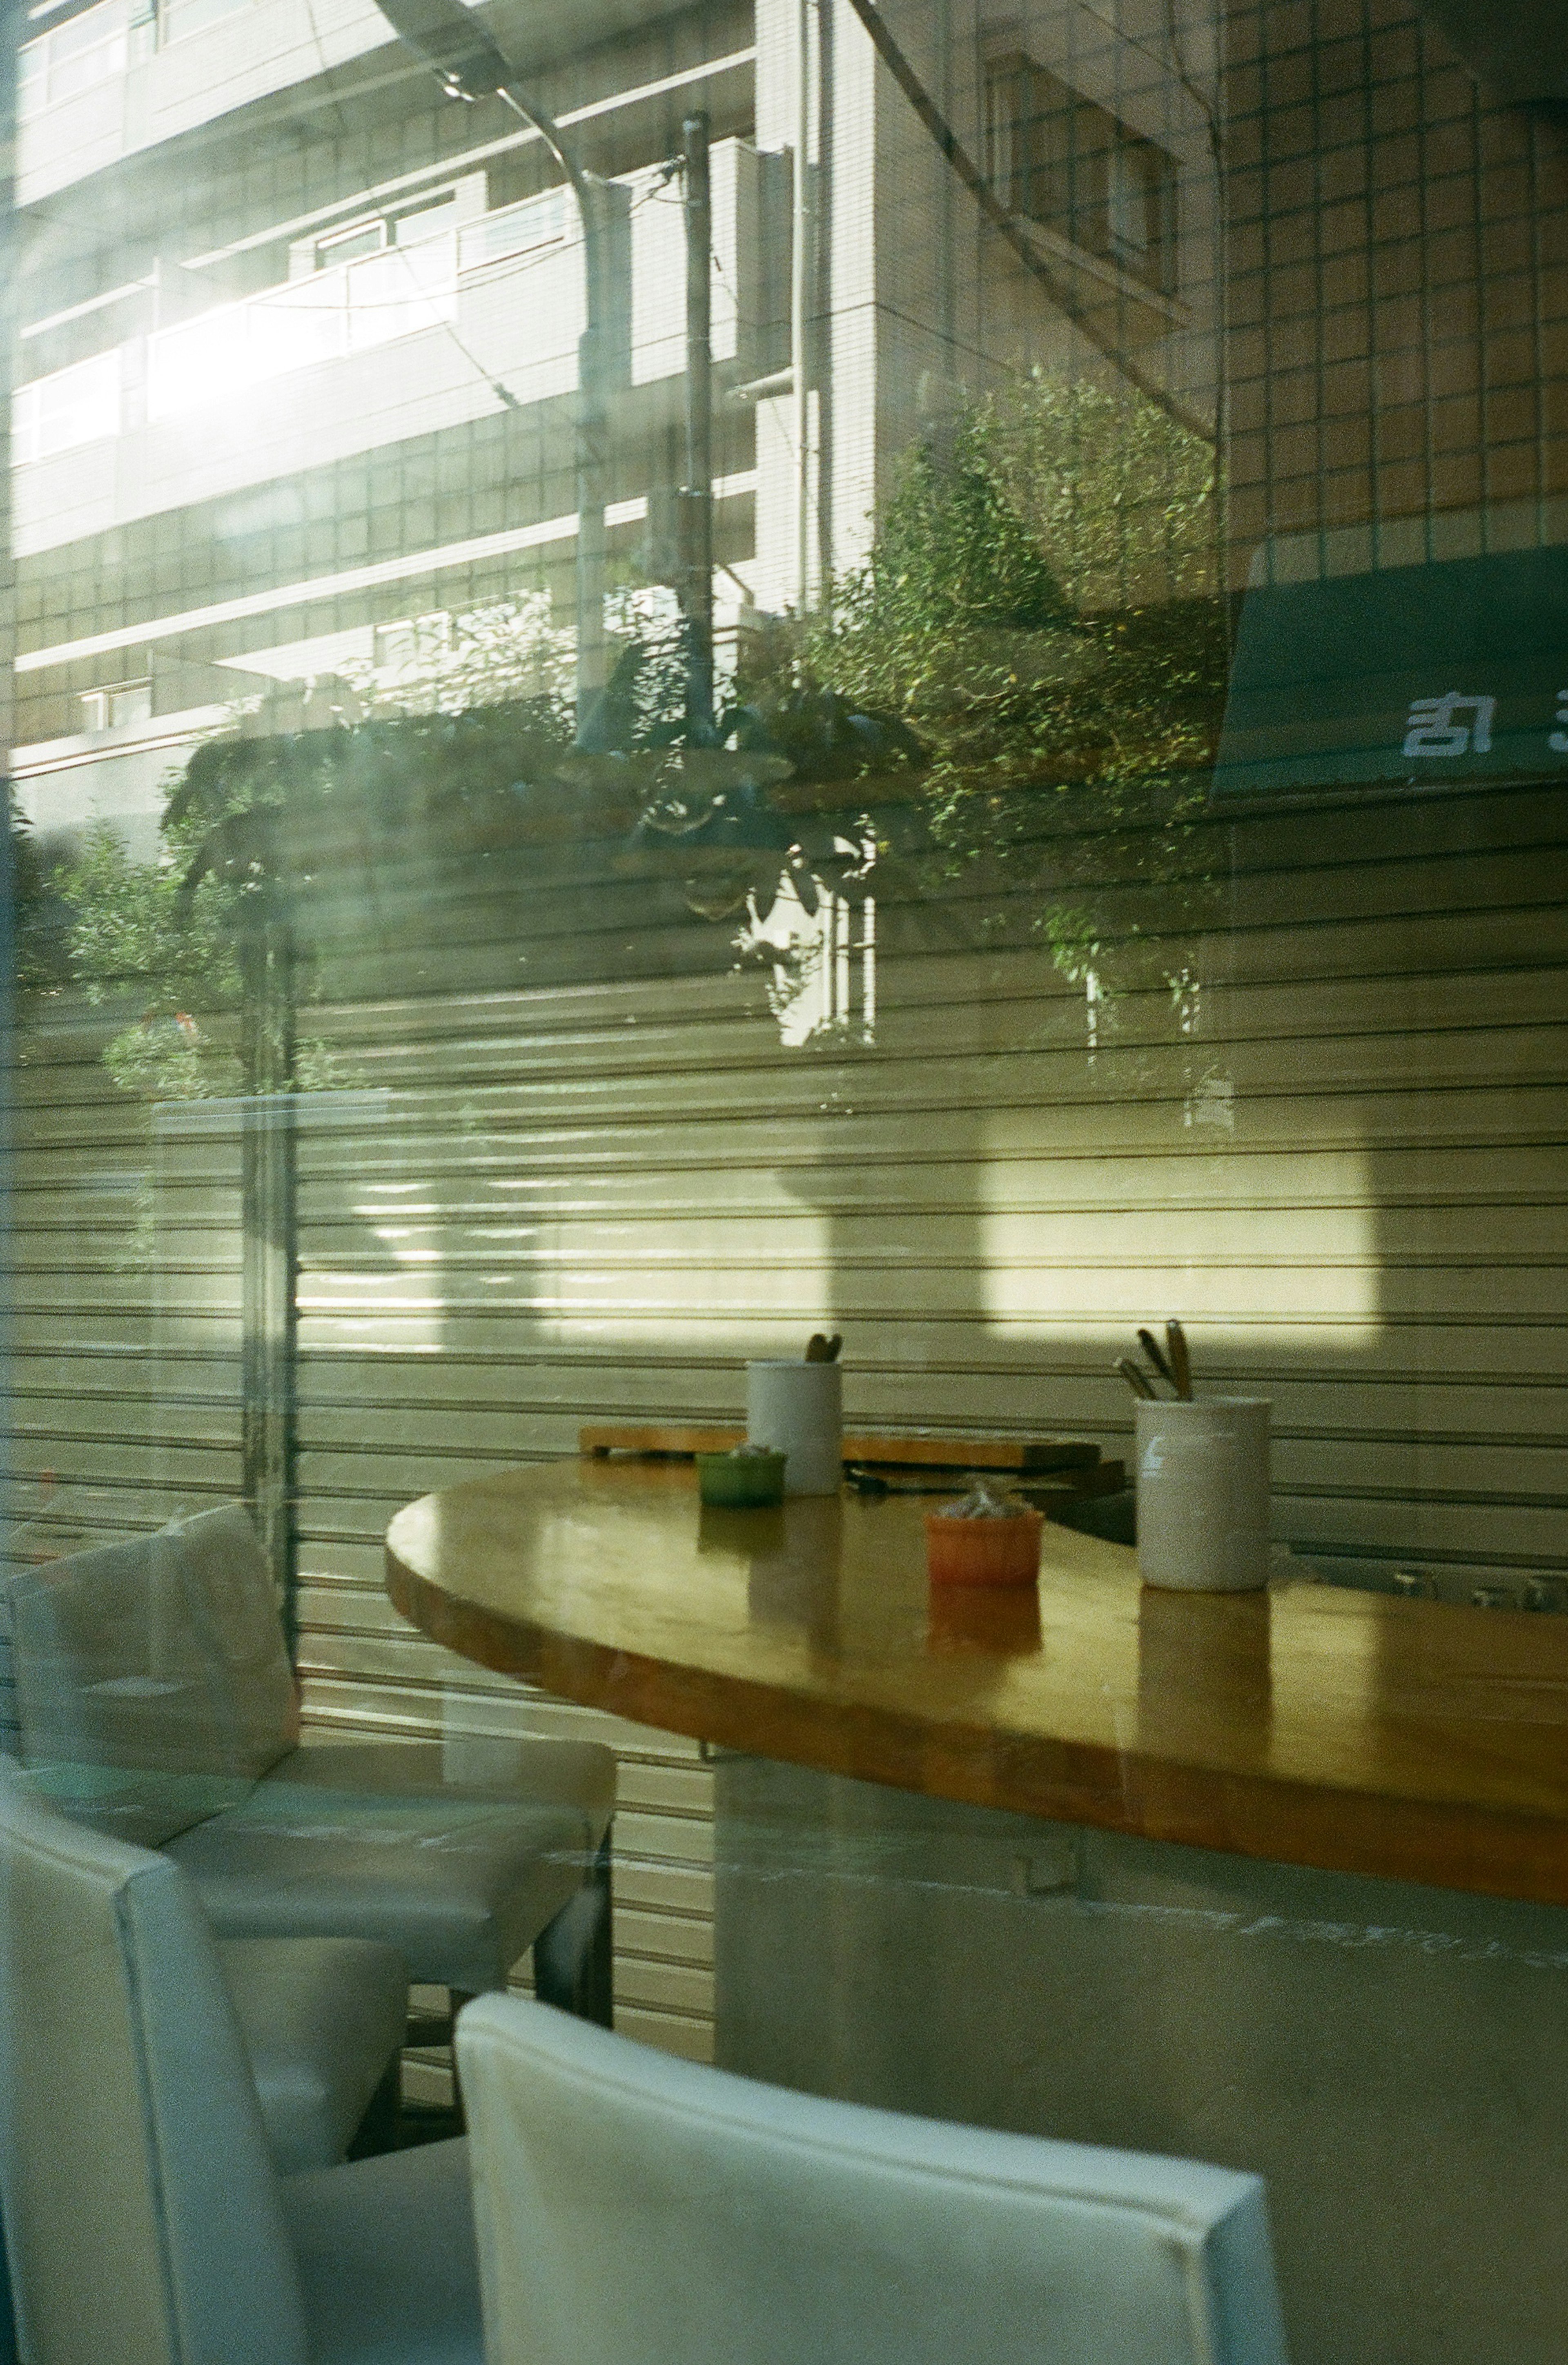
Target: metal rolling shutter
<point>566,1170</point>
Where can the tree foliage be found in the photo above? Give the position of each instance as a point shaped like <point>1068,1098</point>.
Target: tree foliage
<point>1030,662</point>
<point>1039,609</point>
<point>135,942</point>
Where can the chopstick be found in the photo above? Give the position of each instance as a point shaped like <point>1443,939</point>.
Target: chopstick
<point>1156,1353</point>
<point>1180,1362</point>
<point>1171,1364</point>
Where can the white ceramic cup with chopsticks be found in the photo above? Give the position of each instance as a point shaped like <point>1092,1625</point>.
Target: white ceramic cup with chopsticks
<point>1203,1494</point>
<point>798,1409</point>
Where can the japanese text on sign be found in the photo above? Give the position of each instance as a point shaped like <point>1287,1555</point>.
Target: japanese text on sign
<point>1460,723</point>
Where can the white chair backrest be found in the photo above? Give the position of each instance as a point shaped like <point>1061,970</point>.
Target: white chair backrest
<point>158,1663</point>
<point>634,2209</point>
<point>104,1698</point>
<point>228,1596</point>
<point>142,2216</point>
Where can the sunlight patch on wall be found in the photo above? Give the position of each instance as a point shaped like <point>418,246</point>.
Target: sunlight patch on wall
<point>1277,1247</point>
<point>673,1263</point>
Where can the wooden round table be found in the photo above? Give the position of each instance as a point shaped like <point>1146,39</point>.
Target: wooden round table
<point>1307,1725</point>
<point>1129,1867</point>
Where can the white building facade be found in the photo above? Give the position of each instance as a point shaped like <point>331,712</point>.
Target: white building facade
<point>296,352</point>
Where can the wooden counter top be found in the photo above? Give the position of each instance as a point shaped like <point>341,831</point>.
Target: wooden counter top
<point>1310,1724</point>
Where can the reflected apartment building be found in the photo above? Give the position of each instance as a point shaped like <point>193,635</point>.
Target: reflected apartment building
<point>297,336</point>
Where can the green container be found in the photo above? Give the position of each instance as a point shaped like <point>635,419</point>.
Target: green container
<point>741,1482</point>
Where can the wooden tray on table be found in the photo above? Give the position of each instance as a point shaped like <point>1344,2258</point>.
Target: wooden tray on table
<point>923,1464</point>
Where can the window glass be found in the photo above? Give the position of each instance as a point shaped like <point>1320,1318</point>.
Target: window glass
<point>179,18</point>
<point>347,245</point>
<point>71,406</point>
<point>512,229</point>
<point>1071,166</point>
<point>693,681</point>
<point>88,49</point>
<point>122,704</point>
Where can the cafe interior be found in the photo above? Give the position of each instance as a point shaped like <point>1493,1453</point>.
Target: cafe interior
<point>779,1569</point>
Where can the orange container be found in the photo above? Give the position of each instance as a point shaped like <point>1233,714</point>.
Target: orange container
<point>983,1552</point>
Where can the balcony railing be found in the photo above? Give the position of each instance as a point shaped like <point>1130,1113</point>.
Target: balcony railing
<point>509,283</point>
<point>323,318</point>
<point>102,42</point>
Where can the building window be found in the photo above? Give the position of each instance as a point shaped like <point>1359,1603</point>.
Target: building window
<point>116,706</point>
<point>522,228</point>
<point>178,18</point>
<point>74,406</point>
<point>427,217</point>
<point>99,43</point>
<point>412,641</point>
<point>88,49</point>
<point>348,244</point>
<point>1060,160</point>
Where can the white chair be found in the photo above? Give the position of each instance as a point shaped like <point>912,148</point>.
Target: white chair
<point>634,2209</point>
<point>324,2021</point>
<point>154,1677</point>
<point>145,2223</point>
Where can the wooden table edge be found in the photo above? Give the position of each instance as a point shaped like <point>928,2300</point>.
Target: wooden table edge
<point>1482,1851</point>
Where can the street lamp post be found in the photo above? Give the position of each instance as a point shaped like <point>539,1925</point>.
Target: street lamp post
<point>469,65</point>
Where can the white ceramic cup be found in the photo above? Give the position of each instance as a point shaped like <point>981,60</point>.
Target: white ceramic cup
<point>798,1409</point>
<point>1203,1494</point>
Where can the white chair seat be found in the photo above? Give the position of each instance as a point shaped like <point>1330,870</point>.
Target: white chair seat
<point>154,1691</point>
<point>321,2020</point>
<point>470,1875</point>
<point>385,2254</point>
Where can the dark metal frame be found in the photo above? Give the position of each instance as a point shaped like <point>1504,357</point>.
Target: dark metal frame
<point>574,1956</point>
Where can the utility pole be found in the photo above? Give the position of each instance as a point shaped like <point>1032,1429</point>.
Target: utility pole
<point>802,259</point>
<point>469,65</point>
<point>269,1319</point>
<point>697,493</point>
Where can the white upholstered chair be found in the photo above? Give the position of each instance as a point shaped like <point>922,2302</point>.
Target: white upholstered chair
<point>145,2221</point>
<point>634,2209</point>
<point>322,2022</point>
<point>153,1681</point>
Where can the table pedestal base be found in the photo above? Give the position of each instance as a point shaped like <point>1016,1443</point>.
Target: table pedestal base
<point>1393,2060</point>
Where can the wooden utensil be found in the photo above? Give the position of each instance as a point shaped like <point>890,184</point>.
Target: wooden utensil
<point>1134,1377</point>
<point>1180,1362</point>
<point>1156,1353</point>
<point>821,1349</point>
